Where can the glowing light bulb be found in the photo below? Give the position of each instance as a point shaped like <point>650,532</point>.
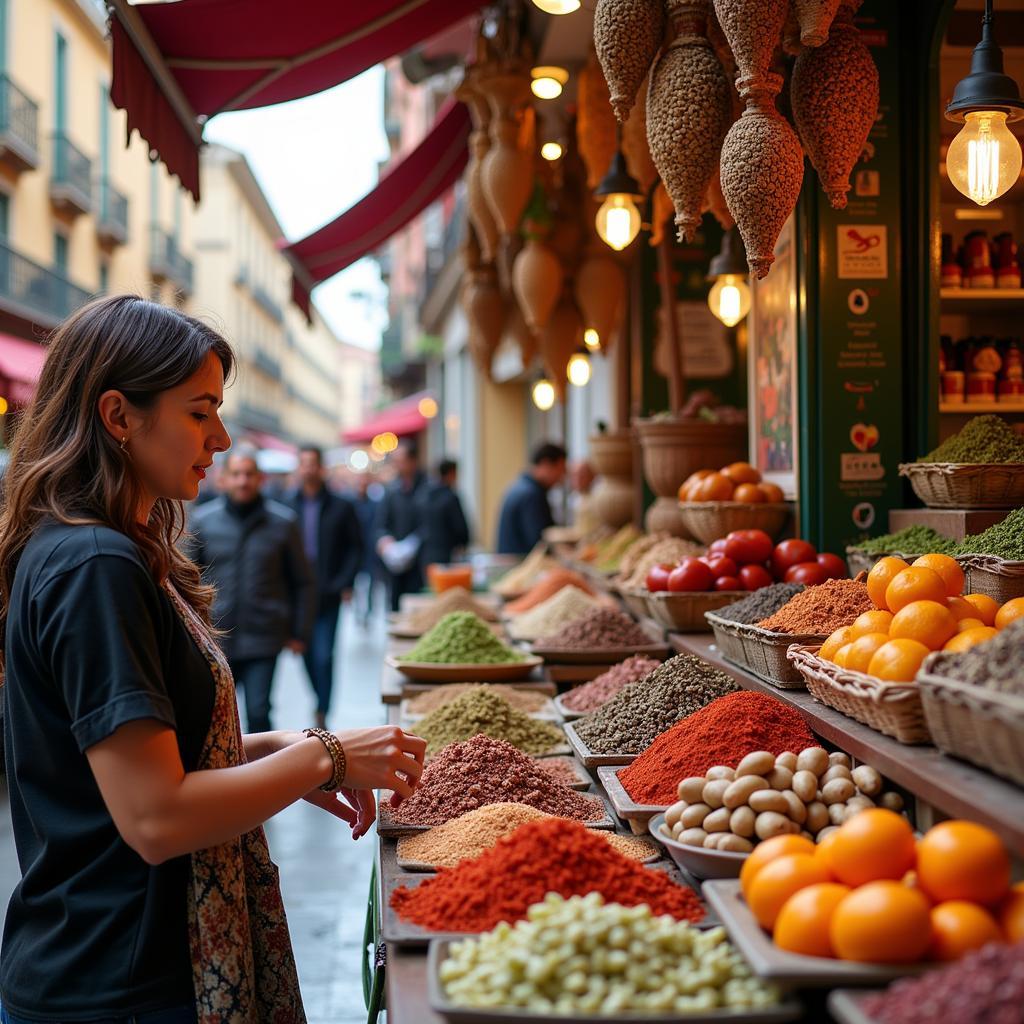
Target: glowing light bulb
<point>551,150</point>
<point>592,339</point>
<point>729,299</point>
<point>548,81</point>
<point>618,220</point>
<point>543,395</point>
<point>984,159</point>
<point>578,370</point>
<point>557,6</point>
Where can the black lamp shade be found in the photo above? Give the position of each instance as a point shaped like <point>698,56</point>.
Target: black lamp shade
<point>987,87</point>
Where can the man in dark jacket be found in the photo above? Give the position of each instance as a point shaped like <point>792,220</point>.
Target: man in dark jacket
<point>400,521</point>
<point>251,550</point>
<point>525,510</point>
<point>334,546</point>
<point>444,522</point>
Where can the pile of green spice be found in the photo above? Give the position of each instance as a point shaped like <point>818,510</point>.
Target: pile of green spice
<point>1005,539</point>
<point>992,665</point>
<point>914,540</point>
<point>984,439</point>
<point>483,711</point>
<point>460,638</point>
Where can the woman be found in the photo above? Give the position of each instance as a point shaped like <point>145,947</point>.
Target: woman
<point>147,892</point>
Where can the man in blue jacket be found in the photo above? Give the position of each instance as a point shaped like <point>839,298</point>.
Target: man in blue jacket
<point>525,509</point>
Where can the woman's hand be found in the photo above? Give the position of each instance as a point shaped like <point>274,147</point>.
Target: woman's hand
<point>357,807</point>
<point>383,757</point>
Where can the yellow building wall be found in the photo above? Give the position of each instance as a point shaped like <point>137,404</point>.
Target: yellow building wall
<point>502,418</point>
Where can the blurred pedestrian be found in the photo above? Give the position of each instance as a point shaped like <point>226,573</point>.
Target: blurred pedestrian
<point>400,522</point>
<point>366,497</point>
<point>525,509</point>
<point>251,550</point>
<point>445,530</point>
<point>334,546</point>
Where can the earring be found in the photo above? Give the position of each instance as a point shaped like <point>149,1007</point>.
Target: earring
<point>124,444</point>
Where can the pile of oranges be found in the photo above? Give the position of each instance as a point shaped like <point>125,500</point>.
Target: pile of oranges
<point>919,608</point>
<point>872,893</point>
<point>739,481</point>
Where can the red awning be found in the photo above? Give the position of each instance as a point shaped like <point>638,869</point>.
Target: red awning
<point>270,442</point>
<point>177,63</point>
<point>402,418</point>
<point>405,190</point>
<point>21,362</point>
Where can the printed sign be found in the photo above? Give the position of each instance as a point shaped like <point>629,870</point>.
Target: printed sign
<point>862,251</point>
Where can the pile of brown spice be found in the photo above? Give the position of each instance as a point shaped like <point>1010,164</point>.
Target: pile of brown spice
<point>601,629</point>
<point>551,583</point>
<point>561,769</point>
<point>525,700</point>
<point>456,599</point>
<point>590,696</point>
<point>822,609</point>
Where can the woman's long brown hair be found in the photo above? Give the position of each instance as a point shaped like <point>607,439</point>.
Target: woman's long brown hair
<point>65,466</point>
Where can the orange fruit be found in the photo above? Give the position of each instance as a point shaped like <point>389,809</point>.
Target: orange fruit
<point>862,650</point>
<point>883,572</point>
<point>968,638</point>
<point>714,487</point>
<point>839,658</point>
<point>961,860</point>
<point>915,584</point>
<point>771,849</point>
<point>898,661</point>
<point>1011,914</point>
<point>872,845</point>
<point>773,492</point>
<point>750,493</point>
<point>875,621</point>
<point>823,850</point>
<point>881,922</point>
<point>778,880</point>
<point>1013,609</point>
<point>961,608</point>
<point>930,622</point>
<point>741,473</point>
<point>958,927</point>
<point>962,625</point>
<point>803,922</point>
<point>839,638</point>
<point>985,607</point>
<point>948,569</point>
<point>689,485</point>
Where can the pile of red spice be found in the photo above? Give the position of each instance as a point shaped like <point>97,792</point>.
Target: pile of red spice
<point>551,855</point>
<point>723,732</point>
<point>480,771</point>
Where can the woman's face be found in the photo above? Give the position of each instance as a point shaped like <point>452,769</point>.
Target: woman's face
<point>172,445</point>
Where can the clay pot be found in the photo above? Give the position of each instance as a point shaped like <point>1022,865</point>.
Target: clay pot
<point>752,28</point>
<point>688,113</point>
<point>834,93</point>
<point>627,34</point>
<point>595,122</point>
<point>560,338</point>
<point>537,282</point>
<point>507,168</point>
<point>600,291</point>
<point>815,19</point>
<point>478,211</point>
<point>611,501</point>
<point>762,170</point>
<point>485,313</point>
<point>612,458</point>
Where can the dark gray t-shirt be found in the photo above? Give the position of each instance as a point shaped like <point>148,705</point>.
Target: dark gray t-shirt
<point>92,642</point>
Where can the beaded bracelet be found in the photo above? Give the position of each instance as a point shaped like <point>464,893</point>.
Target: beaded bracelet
<point>337,752</point>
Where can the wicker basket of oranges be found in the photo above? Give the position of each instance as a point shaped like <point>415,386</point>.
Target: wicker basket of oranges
<point>713,503</point>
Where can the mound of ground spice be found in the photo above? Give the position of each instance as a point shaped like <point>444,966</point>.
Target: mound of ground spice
<point>671,551</point>
<point>561,769</point>
<point>590,696</point>
<point>551,583</point>
<point>460,638</point>
<point>472,833</point>
<point>522,699</point>
<point>540,857</point>
<point>457,599</point>
<point>630,722</point>
<point>722,733</point>
<point>822,609</point>
<point>599,629</point>
<point>564,606</point>
<point>465,776</point>
<point>760,604</point>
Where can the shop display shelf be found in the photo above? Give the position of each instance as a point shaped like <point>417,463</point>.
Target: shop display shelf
<point>981,300</point>
<point>978,408</point>
<point>589,758</point>
<point>606,656</point>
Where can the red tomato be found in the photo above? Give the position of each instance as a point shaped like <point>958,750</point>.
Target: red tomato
<point>754,577</point>
<point>791,552</point>
<point>720,565</point>
<point>717,547</point>
<point>691,574</point>
<point>745,547</point>
<point>728,583</point>
<point>834,566</point>
<point>657,578</point>
<point>808,573</point>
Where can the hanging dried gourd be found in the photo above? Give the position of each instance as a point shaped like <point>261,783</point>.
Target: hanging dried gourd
<point>477,209</point>
<point>635,147</point>
<point>507,170</point>
<point>662,216</point>
<point>762,170</point>
<point>483,305</point>
<point>688,113</point>
<point>834,93</point>
<point>715,203</point>
<point>600,291</point>
<point>815,18</point>
<point>536,272</point>
<point>517,331</point>
<point>595,122</point>
<point>791,44</point>
<point>560,339</point>
<point>752,28</point>
<point>627,35</point>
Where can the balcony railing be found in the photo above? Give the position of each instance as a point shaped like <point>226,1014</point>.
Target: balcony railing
<point>256,418</point>
<point>111,213</point>
<point>267,363</point>
<point>166,262</point>
<point>19,120</point>
<point>267,303</point>
<point>40,294</point>
<point>184,272</point>
<point>71,179</point>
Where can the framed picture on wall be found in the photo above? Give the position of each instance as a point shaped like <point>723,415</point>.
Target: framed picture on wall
<point>773,370</point>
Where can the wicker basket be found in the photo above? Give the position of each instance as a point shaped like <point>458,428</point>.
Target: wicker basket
<point>728,639</point>
<point>967,485</point>
<point>635,599</point>
<point>683,612</point>
<point>762,652</point>
<point>892,708</point>
<point>982,726</point>
<point>1001,579</point>
<point>709,520</point>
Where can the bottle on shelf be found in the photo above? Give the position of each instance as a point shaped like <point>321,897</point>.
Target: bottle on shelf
<point>952,275</point>
<point>977,260</point>
<point>1004,260</point>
